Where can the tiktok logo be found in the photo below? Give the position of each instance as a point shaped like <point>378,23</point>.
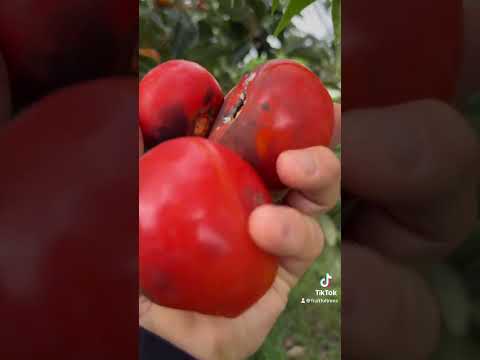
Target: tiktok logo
<point>323,296</point>
<point>326,281</point>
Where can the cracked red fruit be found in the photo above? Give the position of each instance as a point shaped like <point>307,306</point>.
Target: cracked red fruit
<point>399,51</point>
<point>50,44</point>
<point>195,251</point>
<point>280,106</point>
<point>177,98</point>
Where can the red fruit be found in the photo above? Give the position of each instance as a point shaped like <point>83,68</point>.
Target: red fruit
<point>52,43</point>
<point>177,98</point>
<point>280,106</point>
<point>195,250</point>
<point>399,51</point>
<point>68,249</point>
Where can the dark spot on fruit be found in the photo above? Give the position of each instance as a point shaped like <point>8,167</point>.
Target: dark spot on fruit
<point>265,106</point>
<point>201,126</point>
<point>175,124</point>
<point>208,96</point>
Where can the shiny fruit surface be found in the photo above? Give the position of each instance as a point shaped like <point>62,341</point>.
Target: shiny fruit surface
<point>280,106</point>
<point>195,250</point>
<point>177,98</point>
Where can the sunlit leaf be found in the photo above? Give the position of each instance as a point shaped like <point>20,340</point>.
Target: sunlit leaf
<point>294,8</point>
<point>274,6</point>
<point>336,18</point>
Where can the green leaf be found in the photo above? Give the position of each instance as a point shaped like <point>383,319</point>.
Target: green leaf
<point>337,27</point>
<point>294,7</point>
<point>274,6</point>
<point>336,18</point>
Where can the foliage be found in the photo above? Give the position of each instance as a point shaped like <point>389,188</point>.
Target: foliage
<point>230,37</point>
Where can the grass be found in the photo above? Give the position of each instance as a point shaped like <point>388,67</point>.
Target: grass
<point>313,327</point>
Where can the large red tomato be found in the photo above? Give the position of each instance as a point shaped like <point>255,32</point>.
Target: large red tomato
<point>195,249</point>
<point>280,106</point>
<point>177,98</point>
<point>398,51</point>
<point>68,229</point>
<point>52,43</point>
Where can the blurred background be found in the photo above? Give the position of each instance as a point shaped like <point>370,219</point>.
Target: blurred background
<point>229,38</point>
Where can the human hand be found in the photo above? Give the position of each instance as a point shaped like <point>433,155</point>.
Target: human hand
<point>314,176</point>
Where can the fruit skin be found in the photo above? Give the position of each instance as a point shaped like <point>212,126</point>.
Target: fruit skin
<point>177,98</point>
<point>285,107</point>
<point>195,250</point>
<point>51,44</point>
<point>399,51</point>
<point>69,285</point>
